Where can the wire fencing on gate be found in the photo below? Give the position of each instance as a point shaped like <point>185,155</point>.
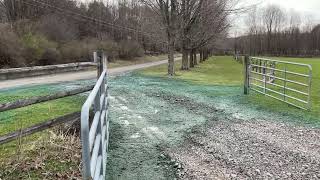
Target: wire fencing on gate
<point>288,82</point>
<point>95,129</point>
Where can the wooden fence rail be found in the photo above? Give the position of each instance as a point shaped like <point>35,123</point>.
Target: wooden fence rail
<point>40,99</point>
<point>16,73</point>
<point>39,127</point>
<point>45,125</point>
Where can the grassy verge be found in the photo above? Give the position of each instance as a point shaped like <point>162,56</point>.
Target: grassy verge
<point>223,70</point>
<point>219,70</point>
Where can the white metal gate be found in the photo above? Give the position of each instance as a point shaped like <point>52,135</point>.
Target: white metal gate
<point>95,134</point>
<point>288,82</point>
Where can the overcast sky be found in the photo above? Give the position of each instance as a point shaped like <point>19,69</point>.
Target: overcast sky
<point>306,8</point>
<point>303,6</point>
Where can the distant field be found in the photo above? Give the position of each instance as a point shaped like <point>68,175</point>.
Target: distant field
<point>223,70</point>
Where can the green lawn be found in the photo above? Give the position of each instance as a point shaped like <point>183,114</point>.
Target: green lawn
<point>219,70</point>
<point>223,70</point>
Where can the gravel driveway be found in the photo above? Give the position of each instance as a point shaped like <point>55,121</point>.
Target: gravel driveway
<point>74,76</point>
<point>256,149</point>
<point>167,129</point>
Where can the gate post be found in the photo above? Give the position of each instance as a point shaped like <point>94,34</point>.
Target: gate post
<point>246,74</point>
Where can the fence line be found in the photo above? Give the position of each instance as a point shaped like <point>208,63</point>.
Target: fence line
<point>41,99</point>
<point>15,73</point>
<point>39,127</point>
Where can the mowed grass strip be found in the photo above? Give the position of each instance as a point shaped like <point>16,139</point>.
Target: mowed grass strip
<point>223,70</point>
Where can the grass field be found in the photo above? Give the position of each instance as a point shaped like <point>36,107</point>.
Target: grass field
<point>223,70</point>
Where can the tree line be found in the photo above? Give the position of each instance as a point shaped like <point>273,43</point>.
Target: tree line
<point>192,25</point>
<point>40,32</point>
<point>47,30</point>
<point>272,31</point>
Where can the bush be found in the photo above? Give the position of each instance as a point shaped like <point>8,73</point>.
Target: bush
<point>58,28</point>
<point>50,56</point>
<point>129,49</point>
<point>83,50</point>
<point>37,45</point>
<point>11,48</point>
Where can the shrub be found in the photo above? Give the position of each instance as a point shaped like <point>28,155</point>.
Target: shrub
<point>50,56</point>
<point>83,50</point>
<point>129,49</point>
<point>11,49</point>
<point>74,51</point>
<point>37,45</point>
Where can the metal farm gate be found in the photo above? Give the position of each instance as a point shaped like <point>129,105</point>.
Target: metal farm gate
<point>288,82</point>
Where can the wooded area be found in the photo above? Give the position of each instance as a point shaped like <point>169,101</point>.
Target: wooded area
<point>273,31</point>
<point>41,32</point>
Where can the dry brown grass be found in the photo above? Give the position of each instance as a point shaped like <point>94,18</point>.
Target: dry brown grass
<point>56,156</point>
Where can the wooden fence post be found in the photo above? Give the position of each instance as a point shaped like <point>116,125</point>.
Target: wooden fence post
<point>99,60</point>
<point>246,74</point>
<point>104,61</point>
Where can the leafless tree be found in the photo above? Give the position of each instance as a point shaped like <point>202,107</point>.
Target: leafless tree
<point>279,35</point>
<point>273,17</point>
<point>202,22</point>
<point>167,11</point>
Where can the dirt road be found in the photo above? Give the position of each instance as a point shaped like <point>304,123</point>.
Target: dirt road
<point>73,76</point>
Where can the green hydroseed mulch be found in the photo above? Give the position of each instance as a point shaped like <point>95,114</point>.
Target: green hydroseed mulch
<point>150,113</point>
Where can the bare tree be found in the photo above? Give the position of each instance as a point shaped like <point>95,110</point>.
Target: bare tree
<point>273,17</point>
<point>203,21</point>
<point>279,35</point>
<point>167,11</point>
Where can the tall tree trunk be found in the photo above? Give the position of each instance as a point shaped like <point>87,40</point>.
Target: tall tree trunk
<point>201,56</point>
<point>195,58</point>
<point>171,71</point>
<point>184,40</point>
<point>185,60</point>
<point>191,61</point>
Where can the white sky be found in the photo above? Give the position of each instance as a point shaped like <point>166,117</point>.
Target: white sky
<point>302,6</point>
<point>306,8</point>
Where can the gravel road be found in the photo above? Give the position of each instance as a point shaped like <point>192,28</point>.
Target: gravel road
<point>73,76</point>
